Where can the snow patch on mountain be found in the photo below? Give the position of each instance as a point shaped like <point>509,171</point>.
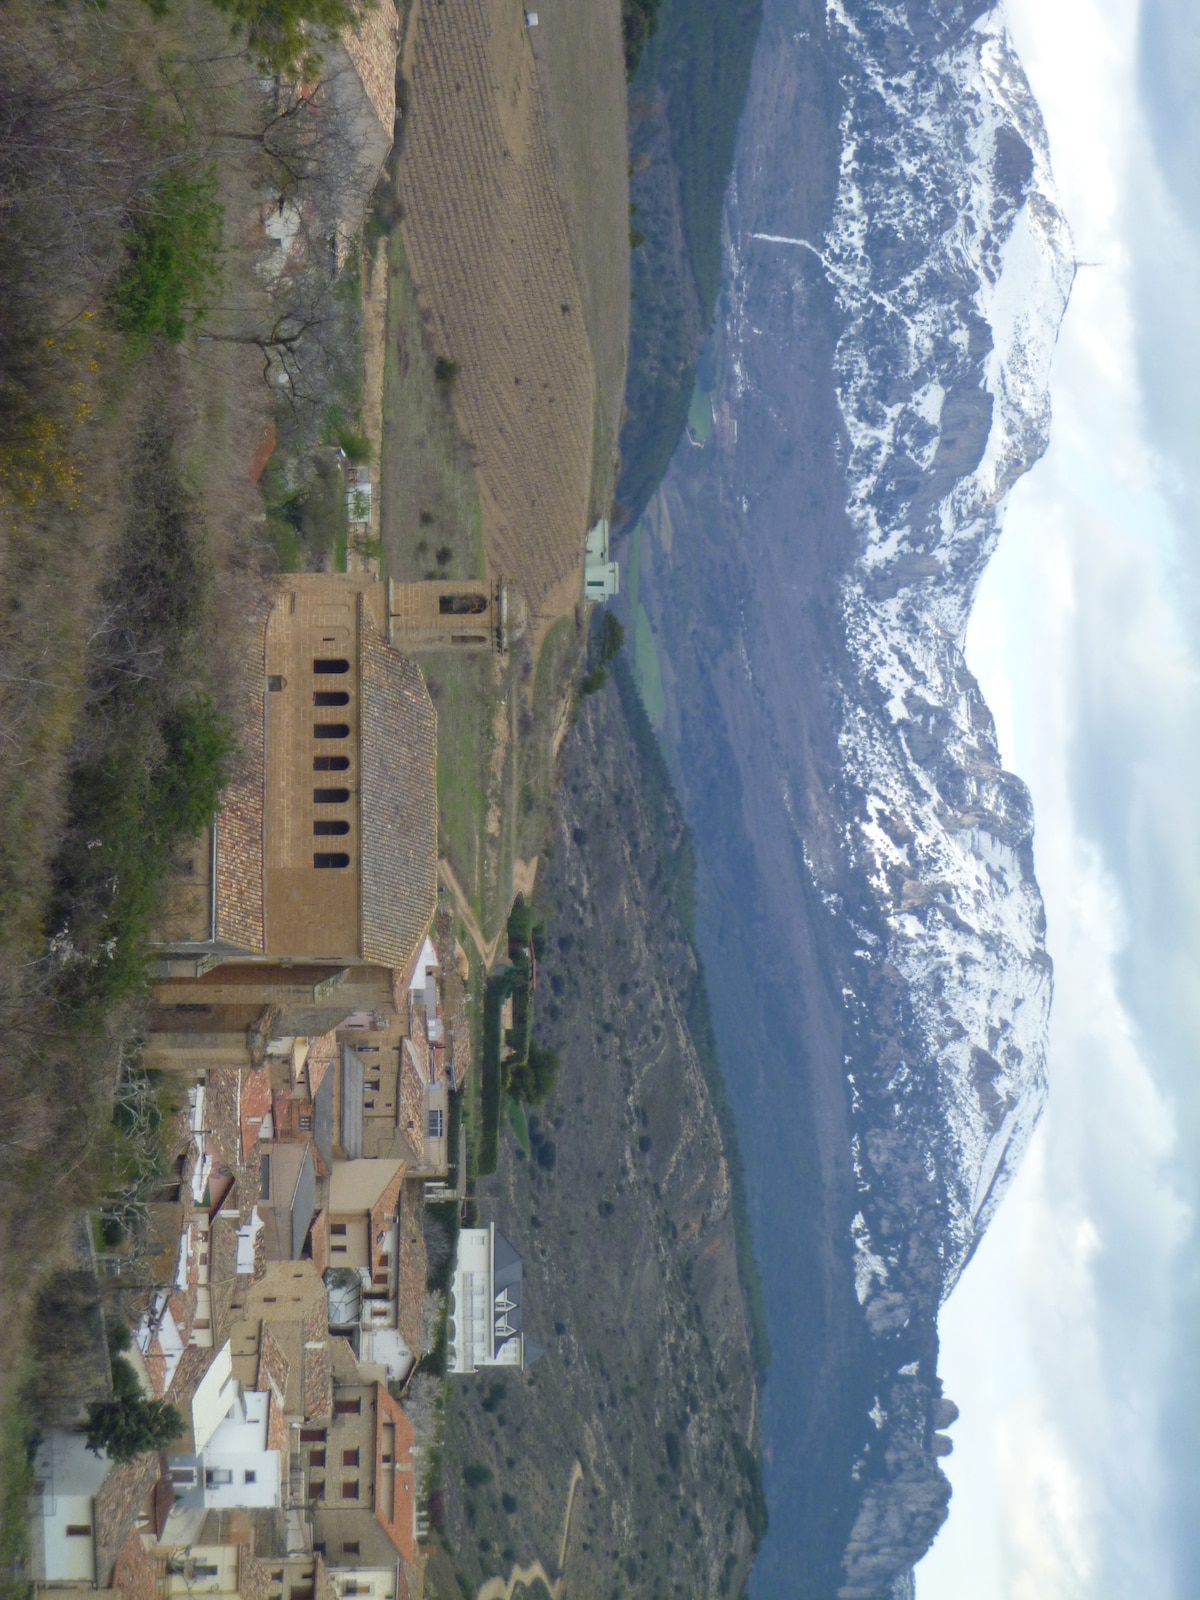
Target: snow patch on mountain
<point>952,265</point>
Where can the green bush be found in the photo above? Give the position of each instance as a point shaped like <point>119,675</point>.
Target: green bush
<point>476,1475</point>
<point>535,1079</point>
<point>172,264</point>
<point>127,1425</point>
<point>285,35</point>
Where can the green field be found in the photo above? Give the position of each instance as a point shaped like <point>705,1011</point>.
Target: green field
<point>700,415</point>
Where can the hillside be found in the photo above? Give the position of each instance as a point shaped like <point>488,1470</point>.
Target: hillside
<point>623,1212</point>
<point>491,258</point>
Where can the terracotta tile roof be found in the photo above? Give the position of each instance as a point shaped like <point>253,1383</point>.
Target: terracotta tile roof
<point>121,1500</point>
<point>396,1514</point>
<point>256,1102</point>
<point>416,1049</point>
<point>383,1211</point>
<point>318,1383</point>
<point>322,1054</point>
<point>273,1368</point>
<point>277,1429</point>
<point>412,1270</point>
<point>412,1102</point>
<point>398,798</point>
<point>254,1579</point>
<point>239,827</point>
<point>372,48</point>
<point>135,1574</point>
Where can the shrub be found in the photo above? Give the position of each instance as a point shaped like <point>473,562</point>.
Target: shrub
<point>354,446</point>
<point>285,35</point>
<point>171,266</point>
<point>476,1475</point>
<point>127,1425</point>
<point>446,371</point>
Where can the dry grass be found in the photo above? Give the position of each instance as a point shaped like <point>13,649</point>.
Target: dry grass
<point>58,539</point>
<point>487,241</point>
<point>581,69</point>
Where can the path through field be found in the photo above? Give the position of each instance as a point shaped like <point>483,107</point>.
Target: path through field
<point>535,1572</point>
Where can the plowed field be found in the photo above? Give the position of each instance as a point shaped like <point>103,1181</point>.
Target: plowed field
<point>488,245</point>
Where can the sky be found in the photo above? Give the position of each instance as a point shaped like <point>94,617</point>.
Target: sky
<point>1071,1343</point>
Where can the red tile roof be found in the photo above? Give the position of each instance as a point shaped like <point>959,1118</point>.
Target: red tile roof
<point>240,917</point>
<point>382,1213</point>
<point>256,1103</point>
<point>396,1514</point>
<point>135,1575</point>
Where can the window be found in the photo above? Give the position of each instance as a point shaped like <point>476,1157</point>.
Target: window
<point>349,1458</point>
<point>331,697</point>
<point>305,1124</point>
<point>330,858</point>
<point>347,1408</point>
<point>468,638</point>
<point>250,1476</point>
<point>337,1228</point>
<point>350,1489</point>
<point>435,1124</point>
<point>217,1477</point>
<point>331,730</point>
<point>275,683</point>
<point>312,1435</point>
<point>325,826</point>
<point>316,1488</point>
<point>330,763</point>
<point>330,665</point>
<point>183,1476</point>
<point>264,1180</point>
<point>203,1570</point>
<point>330,797</point>
<point>316,1458</point>
<point>462,605</point>
<point>79,1530</point>
<point>349,1547</point>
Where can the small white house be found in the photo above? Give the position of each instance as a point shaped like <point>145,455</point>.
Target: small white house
<point>67,1478</point>
<point>230,1465</point>
<point>601,577</point>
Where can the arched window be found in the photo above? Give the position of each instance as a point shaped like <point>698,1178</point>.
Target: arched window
<point>330,797</point>
<point>462,605</point>
<point>331,763</point>
<point>331,730</point>
<point>331,697</point>
<point>330,664</point>
<point>330,858</point>
<point>327,825</point>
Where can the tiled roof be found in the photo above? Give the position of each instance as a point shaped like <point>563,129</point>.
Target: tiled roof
<point>120,1500</point>
<point>239,827</point>
<point>256,1102</point>
<point>412,1102</point>
<point>318,1375</point>
<point>135,1575</point>
<point>413,1269</point>
<point>457,1027</point>
<point>383,1211</point>
<point>277,1428</point>
<point>322,1054</point>
<point>372,48</point>
<point>272,1375</point>
<point>398,798</point>
<point>397,1515</point>
<point>254,1579</point>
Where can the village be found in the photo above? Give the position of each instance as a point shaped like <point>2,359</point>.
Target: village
<point>308,1045</point>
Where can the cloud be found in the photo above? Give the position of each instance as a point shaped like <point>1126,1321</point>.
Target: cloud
<point>1070,1342</point>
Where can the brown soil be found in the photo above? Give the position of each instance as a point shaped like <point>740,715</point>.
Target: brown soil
<point>487,241</point>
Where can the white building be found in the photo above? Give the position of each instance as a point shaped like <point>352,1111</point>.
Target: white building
<point>486,1321</point>
<point>601,577</point>
<point>67,1479</point>
<point>230,1463</point>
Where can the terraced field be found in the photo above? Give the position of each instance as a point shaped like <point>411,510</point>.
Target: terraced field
<point>490,254</point>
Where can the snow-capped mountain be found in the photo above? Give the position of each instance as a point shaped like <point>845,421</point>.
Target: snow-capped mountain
<point>951,264</point>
